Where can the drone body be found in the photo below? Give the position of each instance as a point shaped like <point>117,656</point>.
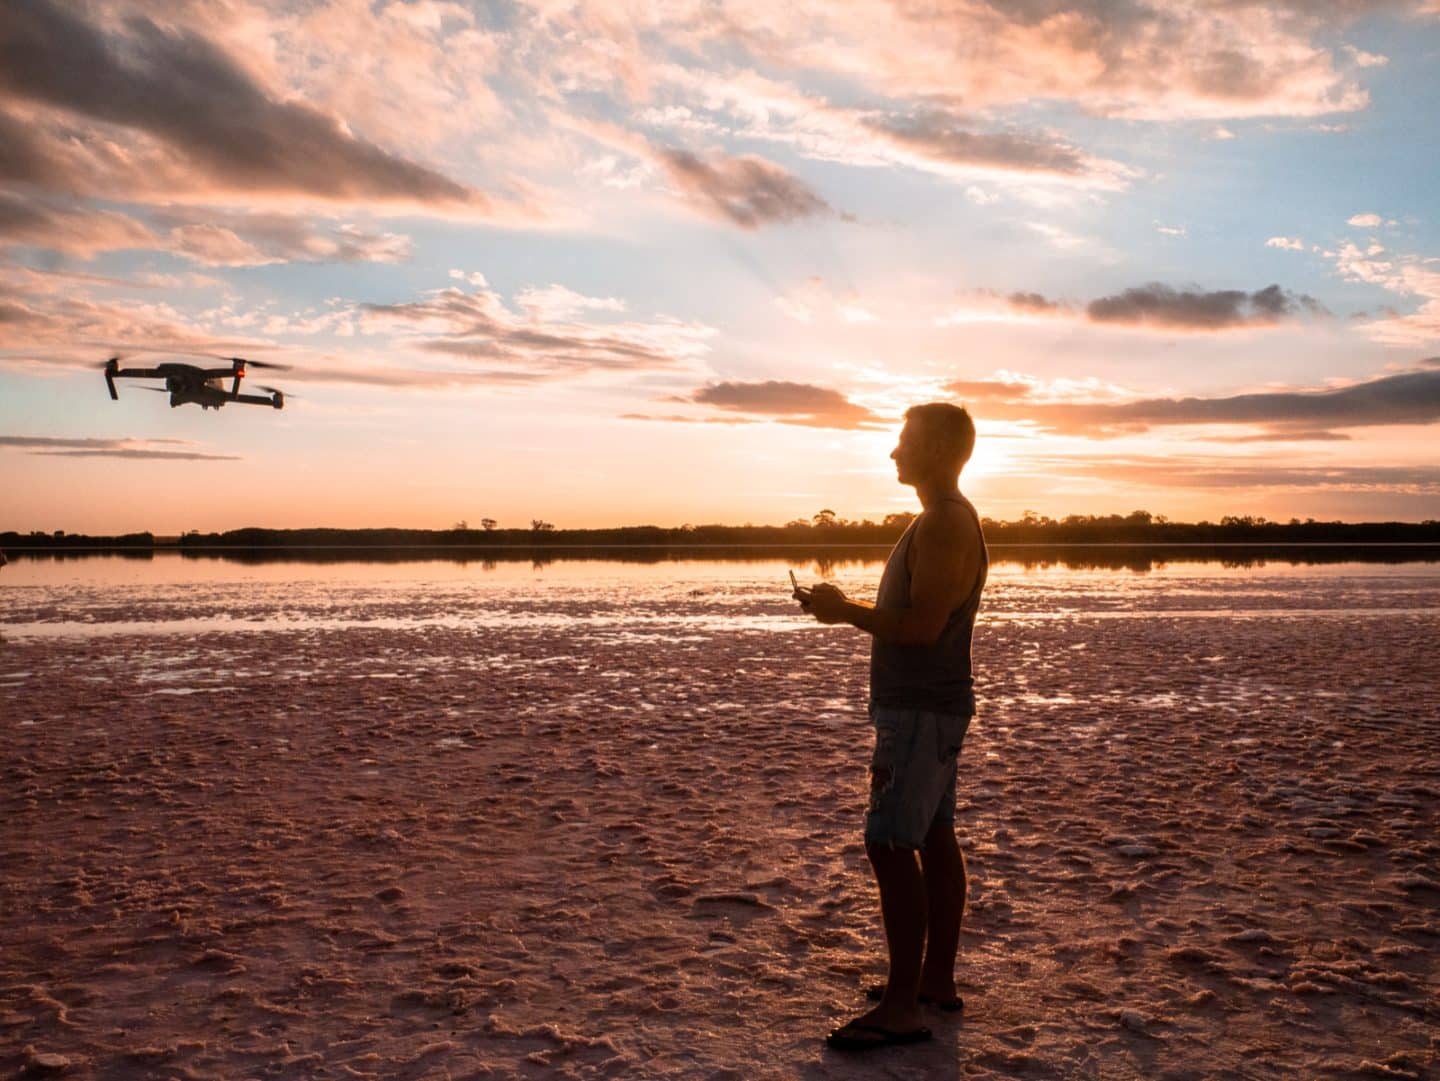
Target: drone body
<point>190,383</point>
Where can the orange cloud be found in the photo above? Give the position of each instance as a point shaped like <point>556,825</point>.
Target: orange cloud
<point>803,404</point>
<point>1404,398</point>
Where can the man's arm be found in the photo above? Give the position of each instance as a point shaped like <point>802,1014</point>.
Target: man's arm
<point>945,560</point>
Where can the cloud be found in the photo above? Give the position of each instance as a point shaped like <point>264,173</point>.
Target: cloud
<point>262,239</point>
<point>78,231</point>
<point>1152,59</point>
<point>1287,243</point>
<point>210,118</point>
<point>939,137</point>
<point>70,328</point>
<point>1141,59</point>
<point>557,302</point>
<point>1034,303</point>
<point>989,389</point>
<point>1160,305</point>
<point>788,403</point>
<point>1403,274</point>
<point>1229,474</point>
<point>676,418</point>
<point>1409,397</point>
<point>556,334</point>
<point>542,342</point>
<point>111,448</point>
<point>746,191</point>
<point>209,237</point>
<point>26,157</point>
<point>1364,221</point>
<point>919,135</point>
<point>989,306</point>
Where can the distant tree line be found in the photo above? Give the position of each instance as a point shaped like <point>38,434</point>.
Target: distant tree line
<point>61,541</point>
<point>824,528</point>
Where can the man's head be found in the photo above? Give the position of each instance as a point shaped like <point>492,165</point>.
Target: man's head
<point>935,443</point>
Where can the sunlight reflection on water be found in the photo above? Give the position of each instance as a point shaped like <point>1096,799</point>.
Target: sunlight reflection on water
<point>678,601</point>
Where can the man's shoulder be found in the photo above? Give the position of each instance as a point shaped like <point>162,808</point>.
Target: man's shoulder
<point>950,514</point>
<point>950,522</point>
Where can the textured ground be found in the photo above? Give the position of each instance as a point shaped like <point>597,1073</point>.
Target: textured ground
<point>567,828</point>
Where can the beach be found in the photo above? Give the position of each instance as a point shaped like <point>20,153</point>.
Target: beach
<point>556,824</point>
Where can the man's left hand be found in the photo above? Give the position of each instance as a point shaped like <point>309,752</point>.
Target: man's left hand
<point>827,603</point>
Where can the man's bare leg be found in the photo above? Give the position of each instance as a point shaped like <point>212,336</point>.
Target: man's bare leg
<point>945,885</point>
<point>902,908</point>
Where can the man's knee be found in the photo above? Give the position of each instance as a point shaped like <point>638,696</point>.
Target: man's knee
<point>940,843</point>
<point>890,859</point>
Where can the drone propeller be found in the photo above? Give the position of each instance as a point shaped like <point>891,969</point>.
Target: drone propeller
<point>276,390</point>
<point>229,360</point>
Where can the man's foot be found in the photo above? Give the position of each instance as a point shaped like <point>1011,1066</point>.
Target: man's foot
<point>859,1035</point>
<point>950,1003</point>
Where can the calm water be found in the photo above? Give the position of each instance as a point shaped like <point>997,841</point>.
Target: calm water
<point>170,594</point>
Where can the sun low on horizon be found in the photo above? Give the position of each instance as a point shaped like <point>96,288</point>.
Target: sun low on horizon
<point>610,264</point>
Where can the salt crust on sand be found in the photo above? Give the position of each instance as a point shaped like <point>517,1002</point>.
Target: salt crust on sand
<point>516,835</point>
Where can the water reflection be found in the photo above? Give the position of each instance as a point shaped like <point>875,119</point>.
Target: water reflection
<point>705,566</point>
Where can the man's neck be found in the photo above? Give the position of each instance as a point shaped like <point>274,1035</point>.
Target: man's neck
<point>937,491</point>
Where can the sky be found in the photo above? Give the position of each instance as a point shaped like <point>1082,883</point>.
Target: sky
<point>689,261</point>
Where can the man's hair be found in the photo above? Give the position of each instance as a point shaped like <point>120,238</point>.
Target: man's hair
<point>948,426</point>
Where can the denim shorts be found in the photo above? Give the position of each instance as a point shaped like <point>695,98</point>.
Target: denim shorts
<point>912,774</point>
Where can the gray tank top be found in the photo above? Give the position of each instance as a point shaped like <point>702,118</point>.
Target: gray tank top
<point>938,677</point>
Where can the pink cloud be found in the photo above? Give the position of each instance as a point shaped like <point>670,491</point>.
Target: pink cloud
<point>181,89</point>
<point>785,402</point>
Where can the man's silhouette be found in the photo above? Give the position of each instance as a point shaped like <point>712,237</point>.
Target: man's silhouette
<point>921,702</point>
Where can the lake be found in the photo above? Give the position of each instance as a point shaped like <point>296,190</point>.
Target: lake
<point>575,817</point>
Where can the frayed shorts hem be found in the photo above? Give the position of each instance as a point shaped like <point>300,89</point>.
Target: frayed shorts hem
<point>912,774</point>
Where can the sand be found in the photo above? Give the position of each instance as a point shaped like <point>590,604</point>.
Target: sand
<point>354,830</point>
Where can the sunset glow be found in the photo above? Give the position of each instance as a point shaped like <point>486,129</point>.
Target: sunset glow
<point>608,264</point>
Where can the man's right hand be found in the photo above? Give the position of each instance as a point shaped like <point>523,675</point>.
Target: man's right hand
<point>827,603</point>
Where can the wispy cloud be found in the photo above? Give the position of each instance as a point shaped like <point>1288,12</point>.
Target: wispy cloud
<point>746,191</point>
<point>152,449</point>
<point>1406,275</point>
<point>940,137</point>
<point>542,342</point>
<point>1403,398</point>
<point>237,239</point>
<point>922,135</point>
<point>1213,473</point>
<point>63,226</point>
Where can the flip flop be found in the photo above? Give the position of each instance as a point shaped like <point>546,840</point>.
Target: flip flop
<point>855,1036</point>
<point>876,991</point>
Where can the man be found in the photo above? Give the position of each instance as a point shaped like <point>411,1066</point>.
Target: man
<point>921,702</point>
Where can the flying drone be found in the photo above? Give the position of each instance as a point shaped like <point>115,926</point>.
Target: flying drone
<point>205,387</point>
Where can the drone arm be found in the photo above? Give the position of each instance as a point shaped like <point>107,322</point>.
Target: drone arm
<point>277,401</point>
<point>110,382</point>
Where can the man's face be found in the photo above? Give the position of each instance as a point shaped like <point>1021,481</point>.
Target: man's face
<point>911,454</point>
